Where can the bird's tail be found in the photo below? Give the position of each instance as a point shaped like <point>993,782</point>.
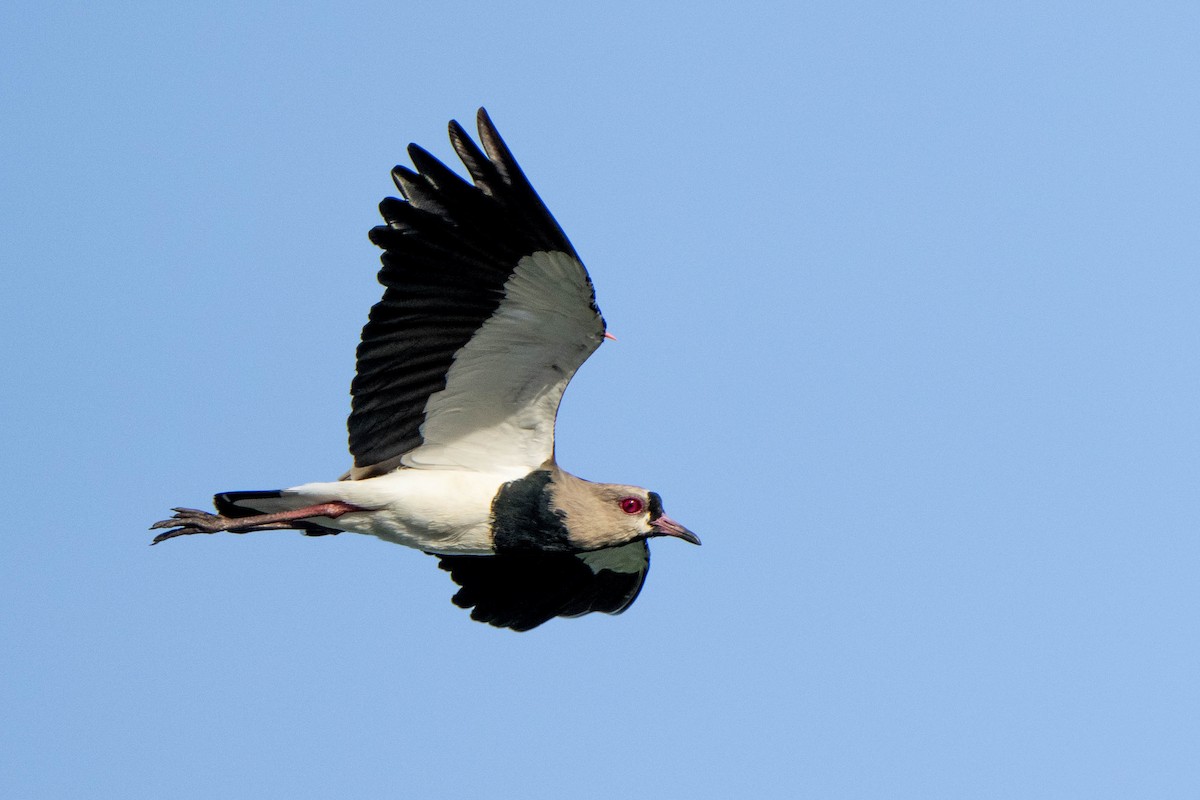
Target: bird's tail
<point>241,504</point>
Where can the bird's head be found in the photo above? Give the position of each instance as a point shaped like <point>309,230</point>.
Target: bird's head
<point>610,514</point>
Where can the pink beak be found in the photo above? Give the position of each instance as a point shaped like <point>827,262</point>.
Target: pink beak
<point>665,526</point>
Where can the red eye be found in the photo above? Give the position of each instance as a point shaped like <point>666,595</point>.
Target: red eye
<point>631,505</point>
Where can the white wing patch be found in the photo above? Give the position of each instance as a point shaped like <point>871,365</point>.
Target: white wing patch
<point>497,411</point>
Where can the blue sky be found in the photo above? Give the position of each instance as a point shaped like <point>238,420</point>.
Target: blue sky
<point>907,307</point>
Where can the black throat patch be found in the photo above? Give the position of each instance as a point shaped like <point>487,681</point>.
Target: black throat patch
<point>523,519</point>
<point>656,509</point>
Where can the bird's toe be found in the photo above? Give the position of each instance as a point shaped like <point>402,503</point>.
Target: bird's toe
<point>171,534</point>
<point>188,521</point>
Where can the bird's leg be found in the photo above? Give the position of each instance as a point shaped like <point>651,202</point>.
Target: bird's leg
<point>190,520</point>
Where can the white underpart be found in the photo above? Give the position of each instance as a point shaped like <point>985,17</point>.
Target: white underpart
<point>502,392</point>
<point>441,511</point>
<point>629,558</point>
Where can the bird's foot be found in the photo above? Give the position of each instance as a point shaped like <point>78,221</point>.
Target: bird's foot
<point>191,520</point>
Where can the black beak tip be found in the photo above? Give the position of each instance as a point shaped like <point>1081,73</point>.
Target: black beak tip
<point>665,526</point>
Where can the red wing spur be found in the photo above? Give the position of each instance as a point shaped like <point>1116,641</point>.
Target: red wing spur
<point>486,314</point>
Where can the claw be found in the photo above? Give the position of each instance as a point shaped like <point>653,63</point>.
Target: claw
<point>188,521</point>
<point>162,537</point>
<point>187,517</point>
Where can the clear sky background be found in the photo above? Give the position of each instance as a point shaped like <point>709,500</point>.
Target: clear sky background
<point>907,298</point>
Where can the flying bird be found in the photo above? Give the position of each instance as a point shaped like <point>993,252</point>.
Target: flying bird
<point>487,312</point>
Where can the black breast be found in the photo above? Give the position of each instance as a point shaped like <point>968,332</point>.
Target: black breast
<point>523,518</point>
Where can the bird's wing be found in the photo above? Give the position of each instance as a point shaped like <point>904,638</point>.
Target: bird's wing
<point>523,590</point>
<point>486,315</point>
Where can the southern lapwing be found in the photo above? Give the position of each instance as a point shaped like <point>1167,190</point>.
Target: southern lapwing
<point>486,314</point>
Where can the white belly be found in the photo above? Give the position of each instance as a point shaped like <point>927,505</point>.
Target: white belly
<point>440,511</point>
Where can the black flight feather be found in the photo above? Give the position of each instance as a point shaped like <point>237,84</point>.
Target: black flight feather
<point>523,590</point>
<point>449,248</point>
